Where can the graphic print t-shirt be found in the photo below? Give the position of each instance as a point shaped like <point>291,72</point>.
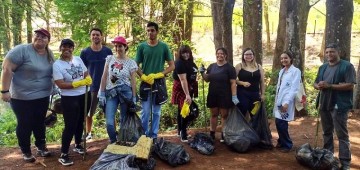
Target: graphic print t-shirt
<point>119,71</point>
<point>69,72</point>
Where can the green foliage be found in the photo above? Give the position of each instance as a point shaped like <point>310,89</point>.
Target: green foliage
<point>8,128</point>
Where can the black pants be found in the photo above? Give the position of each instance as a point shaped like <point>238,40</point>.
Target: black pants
<point>73,113</point>
<point>182,122</point>
<point>30,116</point>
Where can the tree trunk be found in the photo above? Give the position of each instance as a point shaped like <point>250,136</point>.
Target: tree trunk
<point>280,41</point>
<point>339,15</point>
<point>267,25</point>
<point>4,27</point>
<point>28,21</point>
<point>304,8</point>
<point>252,18</point>
<point>357,89</point>
<point>292,42</point>
<point>222,25</point>
<point>189,15</point>
<point>17,13</point>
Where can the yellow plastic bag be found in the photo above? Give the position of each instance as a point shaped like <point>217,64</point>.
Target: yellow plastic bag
<point>256,107</point>
<point>185,110</point>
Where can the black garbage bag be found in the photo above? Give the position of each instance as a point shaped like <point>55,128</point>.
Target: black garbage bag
<point>320,159</point>
<point>174,154</point>
<point>109,160</point>
<point>260,124</point>
<point>50,118</point>
<point>203,143</point>
<point>148,164</point>
<point>238,134</point>
<point>131,131</point>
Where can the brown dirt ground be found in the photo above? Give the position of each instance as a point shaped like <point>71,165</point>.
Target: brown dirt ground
<point>302,130</point>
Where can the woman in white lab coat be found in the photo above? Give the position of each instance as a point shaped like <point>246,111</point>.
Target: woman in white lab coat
<point>284,108</point>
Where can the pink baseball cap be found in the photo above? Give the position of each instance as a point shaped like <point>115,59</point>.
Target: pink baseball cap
<point>119,39</point>
<point>43,31</point>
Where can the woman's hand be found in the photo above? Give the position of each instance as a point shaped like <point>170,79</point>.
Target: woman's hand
<point>284,108</point>
<point>6,97</point>
<point>246,84</point>
<point>188,99</point>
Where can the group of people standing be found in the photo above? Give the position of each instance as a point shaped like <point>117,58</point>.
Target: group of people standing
<point>29,71</point>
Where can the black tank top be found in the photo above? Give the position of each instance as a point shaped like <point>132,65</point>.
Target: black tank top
<point>252,77</point>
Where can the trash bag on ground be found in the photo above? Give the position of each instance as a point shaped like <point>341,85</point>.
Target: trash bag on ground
<point>131,131</point>
<point>238,134</point>
<point>146,164</point>
<point>172,153</point>
<point>260,124</point>
<point>109,160</point>
<point>320,159</point>
<point>203,143</point>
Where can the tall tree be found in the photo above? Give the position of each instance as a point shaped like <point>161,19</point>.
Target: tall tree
<point>17,13</point>
<point>28,8</point>
<point>222,25</point>
<point>280,40</point>
<point>267,26</point>
<point>252,31</point>
<point>82,15</point>
<point>4,26</point>
<point>339,15</point>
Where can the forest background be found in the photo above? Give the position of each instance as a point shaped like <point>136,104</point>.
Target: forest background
<point>268,26</point>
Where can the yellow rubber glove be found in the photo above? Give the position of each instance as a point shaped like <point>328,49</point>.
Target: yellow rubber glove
<point>157,75</point>
<point>88,80</point>
<point>84,82</point>
<point>78,83</point>
<point>185,110</point>
<point>147,79</point>
<point>256,107</point>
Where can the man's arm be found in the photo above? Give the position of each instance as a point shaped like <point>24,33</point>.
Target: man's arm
<point>170,68</point>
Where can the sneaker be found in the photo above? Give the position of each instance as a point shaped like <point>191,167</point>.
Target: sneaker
<point>65,160</point>
<point>222,138</point>
<point>212,135</point>
<point>345,167</point>
<point>79,149</point>
<point>43,152</point>
<point>88,137</point>
<point>184,138</point>
<point>28,157</point>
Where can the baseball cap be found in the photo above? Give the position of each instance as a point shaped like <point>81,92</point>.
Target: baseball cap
<point>43,31</point>
<point>119,39</point>
<point>67,41</point>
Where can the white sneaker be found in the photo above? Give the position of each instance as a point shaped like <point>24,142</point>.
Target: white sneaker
<point>89,136</point>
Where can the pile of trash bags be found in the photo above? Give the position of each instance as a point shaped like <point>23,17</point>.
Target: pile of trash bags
<point>238,134</point>
<point>320,159</point>
<point>109,160</point>
<point>202,143</point>
<point>172,153</point>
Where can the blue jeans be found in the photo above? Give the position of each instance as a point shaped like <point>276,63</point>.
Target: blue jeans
<point>284,140</point>
<point>111,108</point>
<point>337,120</point>
<point>145,113</point>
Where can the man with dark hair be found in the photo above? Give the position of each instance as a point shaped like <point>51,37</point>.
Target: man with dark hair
<point>94,59</point>
<point>335,80</point>
<point>151,56</point>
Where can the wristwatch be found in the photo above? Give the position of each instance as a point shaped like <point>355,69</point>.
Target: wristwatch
<point>4,91</point>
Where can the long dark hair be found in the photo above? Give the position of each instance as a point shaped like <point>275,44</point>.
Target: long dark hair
<point>185,49</point>
<point>290,54</point>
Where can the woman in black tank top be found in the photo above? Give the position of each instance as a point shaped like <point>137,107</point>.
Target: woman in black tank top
<point>250,82</point>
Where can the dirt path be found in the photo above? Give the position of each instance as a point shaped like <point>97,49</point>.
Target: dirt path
<point>302,130</point>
